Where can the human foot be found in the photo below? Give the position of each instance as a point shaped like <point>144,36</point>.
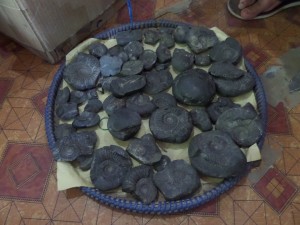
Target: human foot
<point>251,8</point>
<point>258,9</point>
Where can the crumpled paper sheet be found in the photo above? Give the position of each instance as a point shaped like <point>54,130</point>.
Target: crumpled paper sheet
<point>69,176</point>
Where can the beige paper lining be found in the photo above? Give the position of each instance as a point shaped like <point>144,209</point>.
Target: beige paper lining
<point>69,176</point>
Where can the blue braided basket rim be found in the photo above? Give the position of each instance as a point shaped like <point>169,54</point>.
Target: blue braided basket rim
<point>159,207</point>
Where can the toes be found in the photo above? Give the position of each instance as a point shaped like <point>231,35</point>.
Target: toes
<point>245,3</point>
<point>257,8</point>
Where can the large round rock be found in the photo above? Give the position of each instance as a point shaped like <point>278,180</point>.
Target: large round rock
<point>194,87</point>
<point>172,124</point>
<point>215,154</point>
<point>124,123</point>
<point>177,180</point>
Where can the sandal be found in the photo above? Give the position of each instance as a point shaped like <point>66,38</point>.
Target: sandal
<point>232,6</point>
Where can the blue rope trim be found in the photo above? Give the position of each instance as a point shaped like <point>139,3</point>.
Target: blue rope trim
<point>161,207</point>
<point>129,6</point>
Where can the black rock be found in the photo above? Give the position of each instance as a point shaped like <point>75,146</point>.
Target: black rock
<point>63,96</point>
<point>201,119</point>
<point>93,105</point>
<point>164,100</point>
<point>215,109</point>
<point>134,175</point>
<point>92,93</point>
<point>125,37</point>
<point>214,154</point>
<point>134,49</point>
<point>62,130</point>
<point>178,180</point>
<point>83,73</point>
<point>124,123</point>
<point>76,144</point>
<point>144,150</point>
<point>141,104</point>
<point>243,125</point>
<point>157,81</point>
<point>225,70</point>
<point>151,36</point>
<point>162,66</point>
<point>194,87</point>
<point>138,181</point>
<point>172,124</point>
<point>180,33</point>
<point>110,65</point>
<point>78,97</point>
<point>97,49</point>
<point>86,119</point>
<point>85,161</point>
<point>229,51</point>
<point>182,60</point>
<point>145,190</point>
<point>112,103</point>
<point>132,67</point>
<point>163,54</point>
<point>67,111</point>
<point>166,39</point>
<point>149,59</point>
<point>202,59</point>
<point>162,163</point>
<point>104,82</point>
<point>127,85</point>
<point>199,39</point>
<point>109,167</point>
<point>115,50</point>
<point>236,87</point>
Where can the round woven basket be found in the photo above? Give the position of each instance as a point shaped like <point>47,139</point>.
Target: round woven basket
<point>159,207</point>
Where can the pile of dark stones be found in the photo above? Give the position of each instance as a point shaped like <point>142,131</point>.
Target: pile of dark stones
<point>139,83</point>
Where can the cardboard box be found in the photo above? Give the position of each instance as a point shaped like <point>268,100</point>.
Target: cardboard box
<point>51,28</point>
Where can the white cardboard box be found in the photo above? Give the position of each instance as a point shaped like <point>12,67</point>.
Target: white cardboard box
<point>51,28</point>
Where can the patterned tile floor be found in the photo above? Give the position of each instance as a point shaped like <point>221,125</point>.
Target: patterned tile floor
<point>28,194</point>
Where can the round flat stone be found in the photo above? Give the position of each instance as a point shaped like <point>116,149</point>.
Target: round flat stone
<point>194,87</point>
<point>124,37</point>
<point>229,50</point>
<point>97,49</point>
<point>182,60</point>
<point>214,154</point>
<point>110,65</point>
<point>151,36</point>
<point>163,54</point>
<point>127,85</point>
<point>199,39</point>
<point>201,119</point>
<point>144,150</point>
<point>66,111</point>
<point>134,49</point>
<point>173,125</point>
<point>177,180</point>
<point>124,123</point>
<point>236,87</point>
<point>225,70</point>
<point>157,81</point>
<point>112,103</point>
<point>86,119</point>
<point>82,73</point>
<point>132,67</point>
<point>148,58</point>
<point>141,104</point>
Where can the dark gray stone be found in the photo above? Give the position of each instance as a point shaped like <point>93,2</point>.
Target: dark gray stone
<point>157,81</point>
<point>164,100</point>
<point>124,123</point>
<point>124,37</point>
<point>194,87</point>
<point>144,150</point>
<point>132,67</point>
<point>149,59</point>
<point>201,119</point>
<point>97,49</point>
<point>225,70</point>
<point>214,154</point>
<point>66,111</point>
<point>173,125</point>
<point>112,103</point>
<point>109,167</point>
<point>163,54</point>
<point>86,120</point>
<point>127,85</point>
<point>178,180</point>
<point>182,60</point>
<point>141,104</point>
<point>110,65</point>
